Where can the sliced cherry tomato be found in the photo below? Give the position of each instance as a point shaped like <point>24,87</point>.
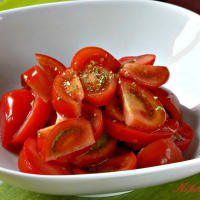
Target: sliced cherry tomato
<point>14,109</point>
<point>34,121</point>
<point>146,59</point>
<point>31,162</point>
<point>113,110</point>
<point>52,66</point>
<point>117,163</point>
<point>160,152</point>
<point>99,85</point>
<point>37,79</point>
<point>94,56</point>
<point>94,115</point>
<point>168,129</point>
<point>141,110</point>
<point>67,94</point>
<point>183,136</point>
<point>126,134</point>
<point>64,138</point>
<point>102,149</point>
<point>146,75</point>
<point>169,101</point>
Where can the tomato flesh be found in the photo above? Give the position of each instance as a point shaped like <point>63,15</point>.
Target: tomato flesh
<point>160,152</point>
<point>67,94</point>
<point>146,75</point>
<point>64,138</point>
<point>38,81</point>
<point>141,110</point>
<point>146,59</point>
<point>99,85</point>
<point>95,56</point>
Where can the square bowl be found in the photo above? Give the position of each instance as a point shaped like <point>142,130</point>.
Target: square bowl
<point>123,27</point>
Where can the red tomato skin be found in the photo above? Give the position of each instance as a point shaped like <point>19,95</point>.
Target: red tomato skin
<point>169,101</point>
<point>146,59</point>
<point>168,153</point>
<point>63,103</point>
<point>31,162</point>
<point>76,142</point>
<point>148,76</point>
<point>141,110</point>
<point>95,156</point>
<point>86,55</point>
<point>37,79</point>
<point>122,162</point>
<point>13,113</point>
<point>33,123</point>
<point>79,171</point>
<point>52,66</point>
<point>126,134</point>
<point>94,115</point>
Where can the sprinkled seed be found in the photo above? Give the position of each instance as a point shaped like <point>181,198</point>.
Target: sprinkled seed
<point>92,62</point>
<point>59,98</point>
<point>55,69</point>
<point>106,55</point>
<point>75,63</point>
<point>114,120</point>
<point>126,73</point>
<point>158,108</point>
<point>32,103</point>
<point>101,59</point>
<point>155,97</point>
<point>133,84</point>
<point>95,114</point>
<point>119,81</point>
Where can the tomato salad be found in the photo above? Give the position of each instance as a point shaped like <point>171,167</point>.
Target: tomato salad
<point>98,115</point>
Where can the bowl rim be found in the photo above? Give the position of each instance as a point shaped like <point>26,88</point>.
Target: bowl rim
<point>107,175</point>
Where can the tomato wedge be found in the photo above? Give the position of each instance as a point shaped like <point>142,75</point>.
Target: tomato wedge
<point>31,162</point>
<point>38,81</point>
<point>67,94</point>
<point>102,149</point>
<point>94,56</point>
<point>169,101</point>
<point>160,152</point>
<point>146,59</point>
<point>126,134</point>
<point>15,106</point>
<point>94,115</point>
<point>183,136</point>
<point>146,75</point>
<point>35,120</point>
<point>51,66</point>
<point>118,163</point>
<point>99,85</point>
<point>141,110</point>
<point>79,171</point>
<point>64,138</point>
<point>112,109</point>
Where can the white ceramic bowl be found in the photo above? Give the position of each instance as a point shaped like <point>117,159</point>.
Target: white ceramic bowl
<point>123,27</point>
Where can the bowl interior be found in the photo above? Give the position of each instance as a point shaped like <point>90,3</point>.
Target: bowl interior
<point>121,27</point>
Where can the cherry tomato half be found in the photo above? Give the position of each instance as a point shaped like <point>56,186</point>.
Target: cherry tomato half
<point>64,138</point>
<point>94,115</point>
<point>15,106</point>
<point>67,94</point>
<point>35,120</point>
<point>160,152</point>
<point>146,75</point>
<point>95,56</point>
<point>169,101</point>
<point>117,163</point>
<point>51,66</point>
<point>141,110</point>
<point>31,162</point>
<point>37,79</point>
<point>146,59</point>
